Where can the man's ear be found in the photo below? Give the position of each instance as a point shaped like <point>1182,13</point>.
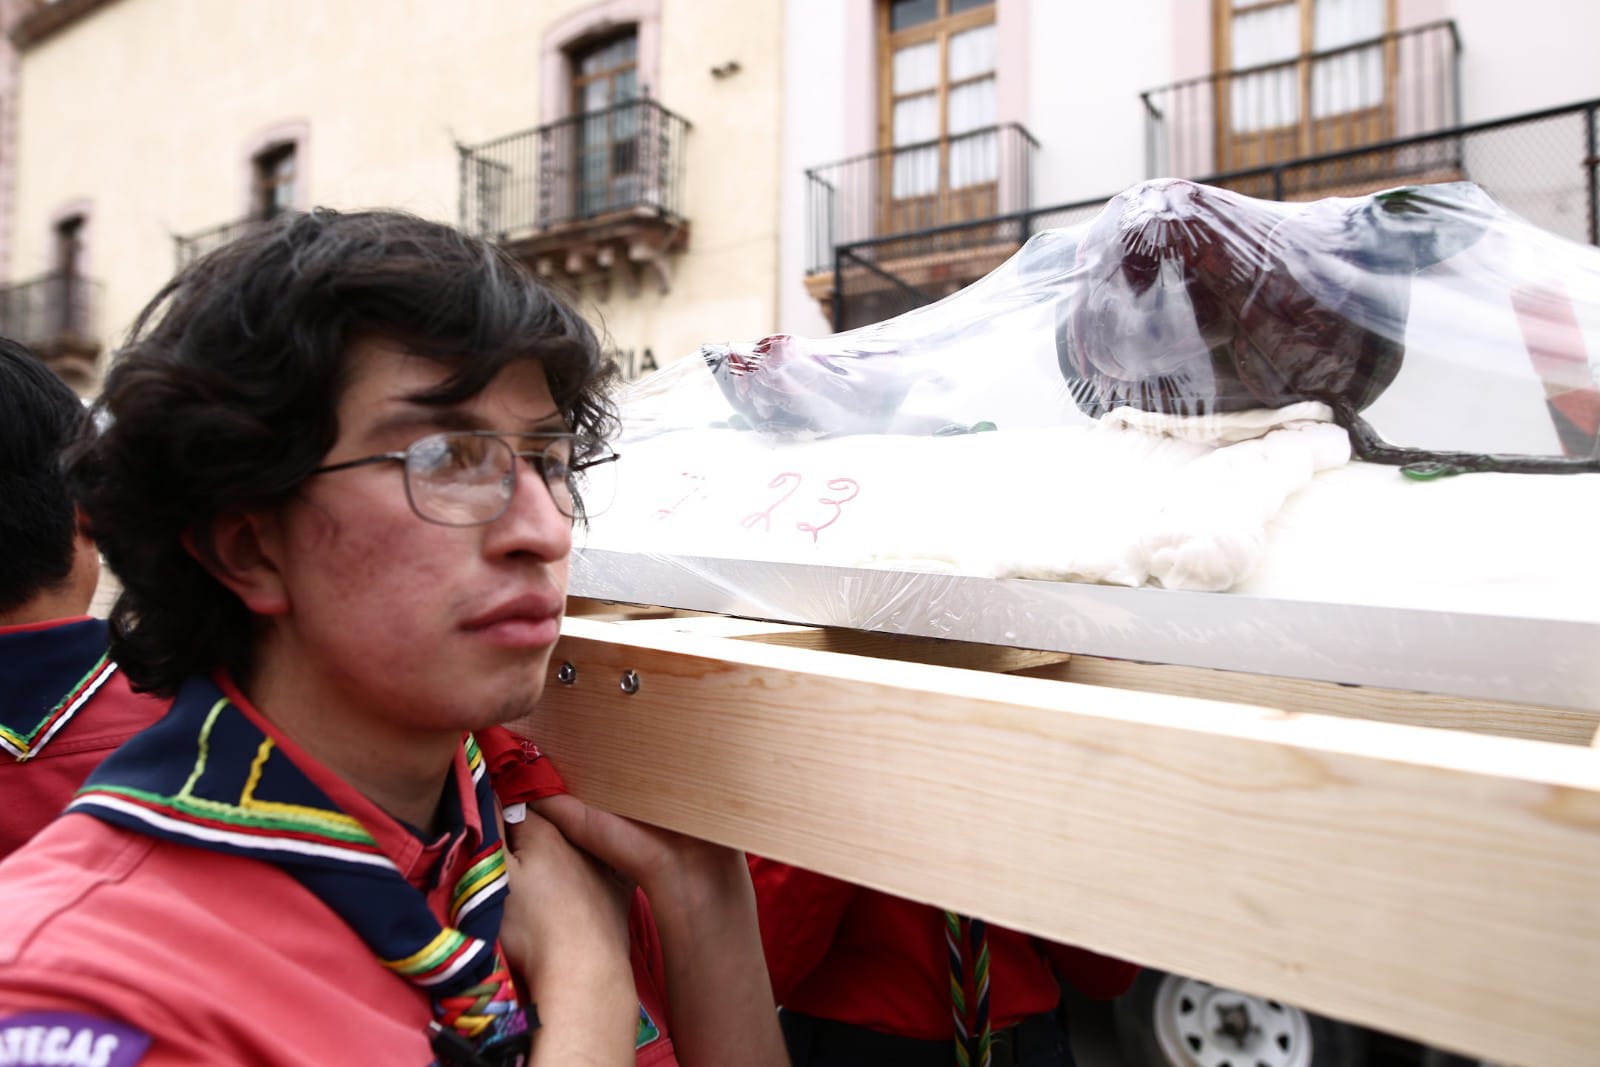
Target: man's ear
<point>244,556</point>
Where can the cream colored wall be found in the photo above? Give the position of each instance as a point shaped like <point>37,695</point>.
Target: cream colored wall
<point>146,110</point>
<point>727,286</point>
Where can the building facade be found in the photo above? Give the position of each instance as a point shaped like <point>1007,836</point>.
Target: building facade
<point>928,126</point>
<point>626,148</point>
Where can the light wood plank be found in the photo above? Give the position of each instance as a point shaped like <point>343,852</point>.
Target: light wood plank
<point>1561,725</point>
<point>1437,884</point>
<point>904,647</point>
<point>1500,718</point>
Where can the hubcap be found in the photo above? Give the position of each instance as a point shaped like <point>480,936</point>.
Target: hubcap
<point>1201,1025</point>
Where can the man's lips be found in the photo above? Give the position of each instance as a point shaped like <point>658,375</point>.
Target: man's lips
<point>532,620</point>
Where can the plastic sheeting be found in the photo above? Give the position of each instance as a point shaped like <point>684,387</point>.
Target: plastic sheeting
<point>1341,401</point>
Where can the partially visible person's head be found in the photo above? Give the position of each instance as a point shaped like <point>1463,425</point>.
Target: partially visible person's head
<point>230,394</point>
<point>43,555</point>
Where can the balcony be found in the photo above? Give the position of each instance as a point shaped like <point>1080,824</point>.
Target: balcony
<point>190,247</point>
<point>914,206</point>
<point>1399,86</point>
<point>56,316</point>
<point>593,198</point>
<point>1540,165</point>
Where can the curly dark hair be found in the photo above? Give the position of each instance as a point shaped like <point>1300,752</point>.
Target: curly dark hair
<point>226,396</point>
<point>39,419</point>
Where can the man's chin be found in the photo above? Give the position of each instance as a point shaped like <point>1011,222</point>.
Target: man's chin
<point>515,706</point>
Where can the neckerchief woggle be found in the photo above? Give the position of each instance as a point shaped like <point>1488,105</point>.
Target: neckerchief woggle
<point>211,774</point>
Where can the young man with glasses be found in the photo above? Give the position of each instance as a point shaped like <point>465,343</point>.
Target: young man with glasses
<point>64,705</point>
<point>343,463</point>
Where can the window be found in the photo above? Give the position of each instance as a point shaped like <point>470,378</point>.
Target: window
<point>605,86</point>
<point>64,309</point>
<point>69,235</point>
<point>937,116</point>
<point>1264,117</point>
<point>272,190</point>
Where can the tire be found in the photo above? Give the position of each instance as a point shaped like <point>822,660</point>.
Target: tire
<point>1167,1020</point>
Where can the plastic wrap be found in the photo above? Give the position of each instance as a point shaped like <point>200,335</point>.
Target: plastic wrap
<point>1388,401</point>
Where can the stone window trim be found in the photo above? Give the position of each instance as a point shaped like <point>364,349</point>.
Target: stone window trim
<point>596,20</point>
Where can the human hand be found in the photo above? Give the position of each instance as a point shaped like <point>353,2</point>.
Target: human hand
<point>671,868</point>
<point>704,907</point>
<point>565,927</point>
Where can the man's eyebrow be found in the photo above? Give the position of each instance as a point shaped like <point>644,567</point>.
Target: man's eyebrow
<point>435,419</point>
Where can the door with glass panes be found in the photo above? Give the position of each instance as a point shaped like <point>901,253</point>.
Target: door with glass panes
<point>1303,77</point>
<point>605,91</point>
<point>940,149</point>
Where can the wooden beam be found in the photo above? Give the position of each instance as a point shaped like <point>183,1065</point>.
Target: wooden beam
<point>902,647</point>
<point>1568,726</point>
<point>1437,884</point>
<point>614,611</point>
<point>1534,722</point>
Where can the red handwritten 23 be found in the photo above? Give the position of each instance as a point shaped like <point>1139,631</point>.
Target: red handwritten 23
<point>764,518</point>
<point>790,481</point>
<point>838,485</point>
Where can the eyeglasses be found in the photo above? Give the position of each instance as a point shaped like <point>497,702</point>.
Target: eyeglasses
<point>467,477</point>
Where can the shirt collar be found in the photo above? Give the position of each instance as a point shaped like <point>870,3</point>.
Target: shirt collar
<point>414,855</point>
<point>41,663</point>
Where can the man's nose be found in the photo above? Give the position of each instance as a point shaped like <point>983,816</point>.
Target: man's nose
<point>532,522</point>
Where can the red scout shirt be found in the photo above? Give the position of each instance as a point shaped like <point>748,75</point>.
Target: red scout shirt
<point>120,949</point>
<point>853,955</point>
<point>63,707</point>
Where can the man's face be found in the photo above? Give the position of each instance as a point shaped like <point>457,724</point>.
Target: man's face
<point>403,621</point>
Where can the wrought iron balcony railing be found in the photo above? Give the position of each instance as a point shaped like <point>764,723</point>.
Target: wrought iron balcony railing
<point>1402,84</point>
<point>1543,166</point>
<point>975,175</point>
<point>51,309</point>
<point>190,247</point>
<point>625,158</point>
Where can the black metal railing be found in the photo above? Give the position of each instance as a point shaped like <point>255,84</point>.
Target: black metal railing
<point>190,247</point>
<point>1400,84</point>
<point>979,174</point>
<point>626,157</point>
<point>54,307</point>
<point>866,288</point>
<point>1543,166</point>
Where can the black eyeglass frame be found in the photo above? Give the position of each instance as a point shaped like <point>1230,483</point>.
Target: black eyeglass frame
<point>537,455</point>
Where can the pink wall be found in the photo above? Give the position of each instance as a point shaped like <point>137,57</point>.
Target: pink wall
<point>10,11</point>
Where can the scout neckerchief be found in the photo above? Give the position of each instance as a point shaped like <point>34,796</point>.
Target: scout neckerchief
<point>215,775</point>
<point>47,674</point>
<point>966,943</point>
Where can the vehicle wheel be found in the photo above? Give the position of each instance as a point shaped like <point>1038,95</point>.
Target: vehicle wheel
<point>1167,1020</point>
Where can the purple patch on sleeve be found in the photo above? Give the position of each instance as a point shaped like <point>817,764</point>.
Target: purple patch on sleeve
<point>68,1039</point>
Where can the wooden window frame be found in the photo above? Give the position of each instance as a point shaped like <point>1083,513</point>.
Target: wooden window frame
<point>622,154</point>
<point>892,210</point>
<point>266,180</point>
<point>579,49</point>
<point>1310,134</point>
